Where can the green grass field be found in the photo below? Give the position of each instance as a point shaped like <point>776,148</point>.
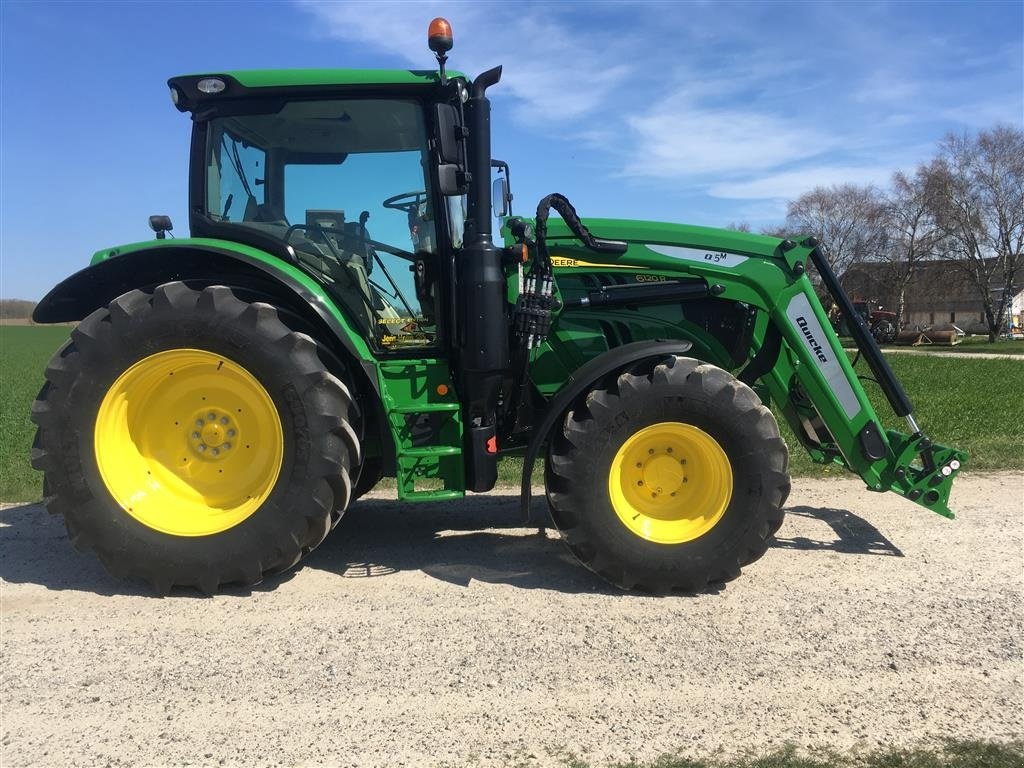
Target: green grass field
<point>970,404</point>
<point>975,405</point>
<point>970,345</point>
<point>24,352</point>
<point>953,754</point>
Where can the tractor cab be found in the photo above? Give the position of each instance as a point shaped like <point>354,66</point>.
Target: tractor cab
<point>339,181</point>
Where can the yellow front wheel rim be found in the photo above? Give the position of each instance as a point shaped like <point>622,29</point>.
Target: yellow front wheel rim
<point>188,442</point>
<point>670,483</point>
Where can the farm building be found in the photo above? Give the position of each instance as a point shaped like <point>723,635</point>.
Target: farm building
<point>938,293</point>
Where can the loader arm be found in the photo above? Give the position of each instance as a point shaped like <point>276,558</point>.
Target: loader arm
<point>792,356</point>
<point>814,380</point>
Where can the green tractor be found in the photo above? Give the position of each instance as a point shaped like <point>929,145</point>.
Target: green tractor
<point>341,313</point>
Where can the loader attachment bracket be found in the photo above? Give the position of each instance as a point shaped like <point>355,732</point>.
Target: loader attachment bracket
<point>923,471</point>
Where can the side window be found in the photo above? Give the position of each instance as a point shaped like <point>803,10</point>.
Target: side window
<point>383,197</point>
<point>346,184</point>
<point>239,170</point>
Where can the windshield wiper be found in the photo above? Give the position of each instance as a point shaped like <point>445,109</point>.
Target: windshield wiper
<point>236,162</point>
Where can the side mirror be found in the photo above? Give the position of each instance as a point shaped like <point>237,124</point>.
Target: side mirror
<point>450,180</point>
<point>449,134</point>
<point>500,198</point>
<point>161,225</point>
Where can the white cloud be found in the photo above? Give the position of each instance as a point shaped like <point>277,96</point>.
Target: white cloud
<point>682,137</point>
<point>888,88</point>
<point>787,185</point>
<point>693,101</point>
<point>984,113</point>
<point>555,72</point>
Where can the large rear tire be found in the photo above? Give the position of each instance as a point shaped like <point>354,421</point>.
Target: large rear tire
<point>668,477</point>
<point>372,473</point>
<point>191,438</point>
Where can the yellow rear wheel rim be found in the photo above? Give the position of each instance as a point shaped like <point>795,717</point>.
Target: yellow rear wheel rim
<point>188,442</point>
<point>670,483</point>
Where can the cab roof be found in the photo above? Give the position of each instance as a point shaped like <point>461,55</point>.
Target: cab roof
<point>259,83</point>
<point>278,78</point>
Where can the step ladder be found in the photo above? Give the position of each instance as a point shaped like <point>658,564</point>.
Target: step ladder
<point>426,421</point>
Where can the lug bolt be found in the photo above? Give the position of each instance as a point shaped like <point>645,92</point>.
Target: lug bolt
<point>226,447</point>
<point>231,433</point>
<point>195,435</point>
<point>199,422</point>
<point>211,416</point>
<point>223,419</point>
<point>202,446</point>
<point>215,452</point>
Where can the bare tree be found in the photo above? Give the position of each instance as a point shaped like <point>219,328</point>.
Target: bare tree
<point>741,226</point>
<point>976,193</point>
<point>16,309</point>
<point>911,234</point>
<point>780,231</point>
<point>847,219</point>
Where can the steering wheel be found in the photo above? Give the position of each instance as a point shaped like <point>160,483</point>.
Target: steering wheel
<point>407,202</point>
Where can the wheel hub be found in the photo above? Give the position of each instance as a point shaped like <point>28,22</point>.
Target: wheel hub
<point>188,442</point>
<point>670,482</point>
<point>213,434</point>
<point>662,474</point>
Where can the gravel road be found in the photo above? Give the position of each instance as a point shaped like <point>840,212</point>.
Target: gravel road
<point>412,638</point>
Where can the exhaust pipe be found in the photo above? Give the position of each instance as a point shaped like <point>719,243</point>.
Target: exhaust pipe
<point>483,319</point>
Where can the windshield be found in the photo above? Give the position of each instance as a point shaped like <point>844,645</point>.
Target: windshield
<point>346,183</point>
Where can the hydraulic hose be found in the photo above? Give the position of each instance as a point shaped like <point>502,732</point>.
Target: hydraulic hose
<point>572,220</point>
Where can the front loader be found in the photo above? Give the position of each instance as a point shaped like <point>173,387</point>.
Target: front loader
<point>343,311</point>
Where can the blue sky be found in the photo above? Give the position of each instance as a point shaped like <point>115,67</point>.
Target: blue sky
<point>699,112</point>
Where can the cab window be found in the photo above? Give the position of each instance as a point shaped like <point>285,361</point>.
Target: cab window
<point>347,184</point>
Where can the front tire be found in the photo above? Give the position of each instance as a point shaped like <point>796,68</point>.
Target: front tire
<point>668,477</point>
<point>191,438</point>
